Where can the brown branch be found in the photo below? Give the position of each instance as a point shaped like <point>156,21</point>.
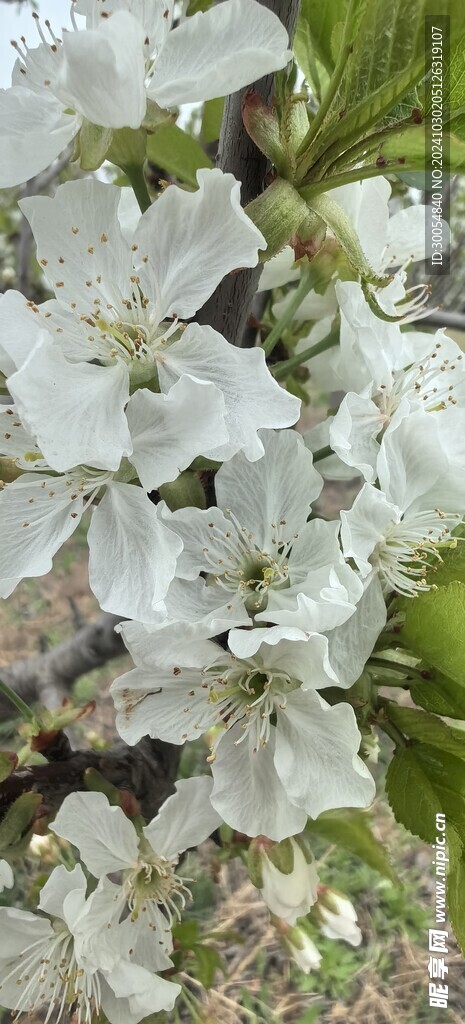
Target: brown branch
<point>40,678</point>
<point>228,308</point>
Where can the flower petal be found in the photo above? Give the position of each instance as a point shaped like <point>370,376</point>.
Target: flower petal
<point>169,431</point>
<point>34,130</point>
<point>253,398</point>
<point>317,755</point>
<point>132,554</point>
<point>20,330</point>
<point>76,410</point>
<point>192,239</point>
<point>219,51</point>
<point>186,819</point>
<point>104,836</point>
<point>58,886</point>
<point>351,644</point>
<point>169,705</point>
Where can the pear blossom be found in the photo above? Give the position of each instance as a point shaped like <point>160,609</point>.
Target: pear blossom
<point>151,887</point>
<point>286,876</point>
<point>132,553</point>
<point>73,362</point>
<point>263,560</point>
<point>393,532</point>
<point>279,751</point>
<point>336,916</point>
<point>298,945</point>
<point>127,58</point>
<point>70,958</point>
<point>387,373</point>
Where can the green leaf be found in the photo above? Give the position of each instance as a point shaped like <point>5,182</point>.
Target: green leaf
<point>441,695</point>
<point>212,116</point>
<point>410,147</point>
<point>456,886</point>
<point>314,32</point>
<point>194,6</point>
<point>420,726</point>
<point>177,153</point>
<point>208,963</point>
<point>8,762</point>
<point>452,566</point>
<point>351,830</point>
<point>421,782</point>
<point>17,823</point>
<point>434,629</point>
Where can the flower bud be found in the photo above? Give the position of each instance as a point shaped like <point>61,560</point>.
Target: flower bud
<point>298,944</point>
<point>336,916</point>
<point>285,874</point>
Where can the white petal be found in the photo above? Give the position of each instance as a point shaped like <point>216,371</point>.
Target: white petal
<point>170,705</point>
<point>204,533</point>
<point>20,330</point>
<point>301,655</point>
<point>58,886</point>
<point>244,643</point>
<point>353,434</point>
<point>217,52</point>
<point>104,836</point>
<point>406,236</point>
<point>272,496</point>
<point>248,793</point>
<point>138,992</point>
<point>317,755</point>
<point>16,442</point>
<point>7,879</point>
<point>331,468</point>
<point>351,644</point>
<point>79,239</point>
<point>102,72</point>
<point>165,648</point>
<point>51,515</point>
<point>412,462</point>
<point>365,524</point>
<point>253,398</point>
<point>279,271</point>
<point>193,239</point>
<point>19,929</point>
<point>76,410</point>
<point>186,818</point>
<point>34,130</point>
<point>195,601</point>
<point>169,431</point>
<point>132,554</point>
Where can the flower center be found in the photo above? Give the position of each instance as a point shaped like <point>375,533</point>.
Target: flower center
<point>246,569</point>
<point>247,694</point>
<point>409,549</point>
<point>153,887</point>
<point>435,382</point>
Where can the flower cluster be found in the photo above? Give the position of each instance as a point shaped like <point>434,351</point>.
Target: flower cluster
<point>248,621</point>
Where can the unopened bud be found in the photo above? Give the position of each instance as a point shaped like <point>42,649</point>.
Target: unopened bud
<point>286,876</point>
<point>298,945</point>
<point>336,916</point>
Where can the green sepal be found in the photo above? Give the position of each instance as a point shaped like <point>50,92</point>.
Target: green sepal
<point>341,225</point>
<point>8,763</point>
<point>261,123</point>
<point>128,147</point>
<point>281,856</point>
<point>96,783</point>
<point>94,143</point>
<point>255,862</point>
<point>277,213</point>
<point>184,492</point>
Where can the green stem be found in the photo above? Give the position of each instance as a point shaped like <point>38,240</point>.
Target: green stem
<point>347,177</point>
<point>331,91</point>
<point>19,704</point>
<point>393,666</point>
<point>323,453</point>
<point>135,173</point>
<point>393,732</point>
<point>307,281</point>
<point>281,370</point>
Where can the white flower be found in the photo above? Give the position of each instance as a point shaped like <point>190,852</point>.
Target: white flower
<point>387,373</point>
<point>279,751</point>
<point>151,888</point>
<point>78,357</point>
<point>286,875</point>
<point>6,876</point>
<point>126,56</point>
<point>70,959</point>
<point>394,531</point>
<point>264,561</point>
<point>337,917</point>
<point>132,553</point>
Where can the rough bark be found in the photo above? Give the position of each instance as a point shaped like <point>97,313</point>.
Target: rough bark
<point>228,308</point>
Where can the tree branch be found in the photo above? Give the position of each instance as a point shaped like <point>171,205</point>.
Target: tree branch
<point>41,677</point>
<point>228,308</point>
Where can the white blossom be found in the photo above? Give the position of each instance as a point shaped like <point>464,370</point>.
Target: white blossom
<point>337,917</point>
<point>107,333</point>
<point>279,751</point>
<point>6,876</point>
<point>150,887</point>
<point>286,875</point>
<point>70,958</point>
<point>127,57</point>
